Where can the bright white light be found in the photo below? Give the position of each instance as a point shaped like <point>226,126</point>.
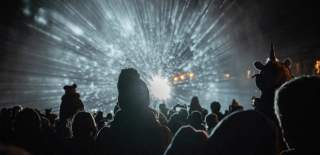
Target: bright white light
<point>159,87</point>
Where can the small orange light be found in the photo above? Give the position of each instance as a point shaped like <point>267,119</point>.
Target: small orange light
<point>317,67</point>
<point>182,77</point>
<point>175,79</point>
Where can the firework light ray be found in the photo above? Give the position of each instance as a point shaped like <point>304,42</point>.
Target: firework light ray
<point>89,42</point>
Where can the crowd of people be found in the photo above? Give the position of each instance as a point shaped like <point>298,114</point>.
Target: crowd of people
<point>137,129</point>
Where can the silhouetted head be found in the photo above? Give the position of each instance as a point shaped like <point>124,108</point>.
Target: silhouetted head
<point>28,122</point>
<point>195,101</point>
<point>295,106</point>
<point>187,141</point>
<point>109,117</point>
<point>70,94</point>
<point>48,111</point>
<point>99,115</point>
<point>212,120</point>
<point>195,104</point>
<point>235,105</point>
<point>183,114</point>
<point>16,109</point>
<point>70,88</point>
<point>195,118</point>
<point>272,74</point>
<point>174,122</point>
<point>70,103</point>
<point>163,107</point>
<point>133,92</point>
<point>243,132</point>
<point>84,125</point>
<point>215,106</point>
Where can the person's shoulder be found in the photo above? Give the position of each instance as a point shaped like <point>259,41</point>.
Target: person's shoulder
<point>104,131</point>
<point>164,128</point>
<point>104,134</point>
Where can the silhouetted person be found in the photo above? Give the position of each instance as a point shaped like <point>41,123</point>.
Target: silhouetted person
<point>84,133</point>
<point>178,119</point>
<point>162,119</point>
<point>70,105</point>
<point>109,117</point>
<point>195,120</point>
<point>50,116</point>
<point>296,103</point>
<point>235,106</point>
<point>6,128</point>
<point>244,132</point>
<point>183,114</point>
<point>215,108</point>
<point>15,110</point>
<point>272,75</point>
<point>99,120</point>
<point>28,132</point>
<point>212,121</point>
<point>187,141</point>
<point>195,106</point>
<point>163,109</point>
<point>134,129</point>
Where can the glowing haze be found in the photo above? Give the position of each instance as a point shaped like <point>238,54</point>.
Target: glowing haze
<point>160,87</point>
